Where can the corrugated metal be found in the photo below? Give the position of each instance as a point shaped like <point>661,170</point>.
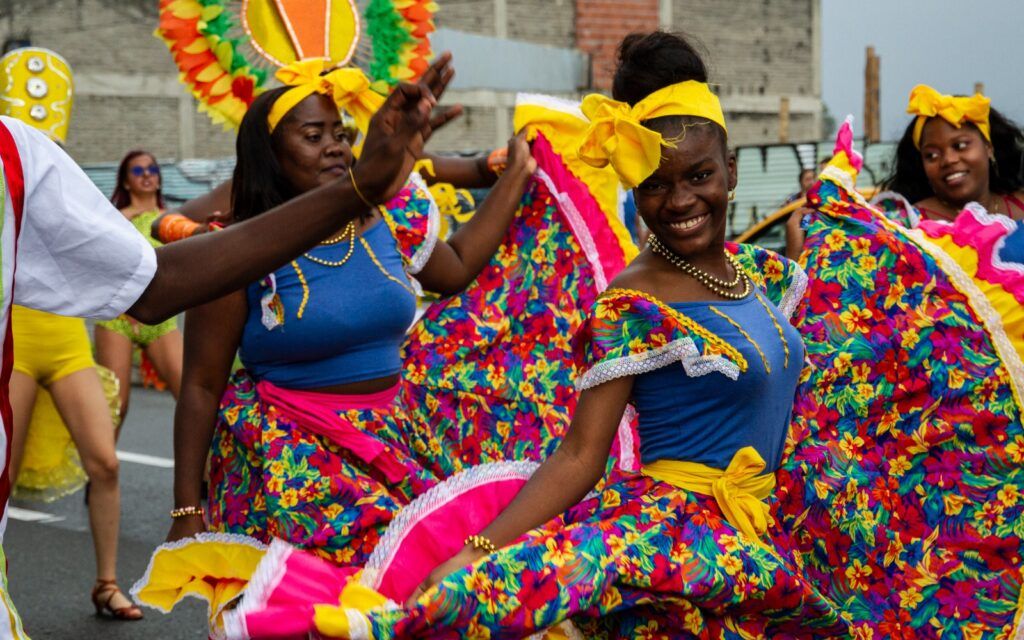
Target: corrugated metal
<point>181,181</point>
<point>767,176</point>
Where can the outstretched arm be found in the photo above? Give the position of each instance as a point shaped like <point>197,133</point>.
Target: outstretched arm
<point>562,481</point>
<point>212,334</point>
<point>204,267</point>
<point>457,262</point>
<point>462,173</point>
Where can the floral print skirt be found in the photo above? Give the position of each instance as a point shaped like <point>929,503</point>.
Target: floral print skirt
<point>271,478</point>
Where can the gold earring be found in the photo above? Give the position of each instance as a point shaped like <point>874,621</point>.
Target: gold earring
<point>732,195</point>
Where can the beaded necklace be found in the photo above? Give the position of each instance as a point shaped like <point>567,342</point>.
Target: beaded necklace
<point>710,282</point>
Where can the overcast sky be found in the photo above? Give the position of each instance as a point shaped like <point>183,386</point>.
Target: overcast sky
<point>948,45</point>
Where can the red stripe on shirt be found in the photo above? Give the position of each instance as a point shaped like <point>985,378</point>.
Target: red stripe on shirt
<point>15,179</point>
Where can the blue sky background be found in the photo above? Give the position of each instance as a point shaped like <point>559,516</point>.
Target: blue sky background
<point>949,45</point>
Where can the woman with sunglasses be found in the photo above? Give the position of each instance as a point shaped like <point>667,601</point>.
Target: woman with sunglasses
<point>139,197</point>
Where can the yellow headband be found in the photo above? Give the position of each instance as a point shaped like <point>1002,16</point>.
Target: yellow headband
<point>926,102</point>
<point>617,136</point>
<point>349,87</point>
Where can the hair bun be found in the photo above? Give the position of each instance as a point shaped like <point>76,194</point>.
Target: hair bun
<point>650,61</point>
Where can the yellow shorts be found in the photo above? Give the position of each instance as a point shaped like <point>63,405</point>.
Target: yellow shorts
<point>48,347</point>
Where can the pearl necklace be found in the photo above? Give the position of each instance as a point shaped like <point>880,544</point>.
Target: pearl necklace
<point>350,234</point>
<point>710,282</point>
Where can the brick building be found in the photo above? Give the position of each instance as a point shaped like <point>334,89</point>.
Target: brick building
<point>128,95</point>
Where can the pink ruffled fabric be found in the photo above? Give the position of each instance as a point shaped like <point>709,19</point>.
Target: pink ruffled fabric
<point>985,234</point>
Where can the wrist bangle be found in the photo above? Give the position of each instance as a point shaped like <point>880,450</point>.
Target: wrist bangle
<point>352,178</point>
<point>481,543</point>
<point>192,510</point>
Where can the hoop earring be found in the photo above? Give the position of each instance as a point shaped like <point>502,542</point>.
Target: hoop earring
<point>732,195</point>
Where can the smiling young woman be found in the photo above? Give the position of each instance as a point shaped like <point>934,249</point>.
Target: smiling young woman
<point>958,150</point>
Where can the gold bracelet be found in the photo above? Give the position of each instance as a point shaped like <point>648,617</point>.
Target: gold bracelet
<point>352,178</point>
<point>192,510</point>
<point>481,543</point>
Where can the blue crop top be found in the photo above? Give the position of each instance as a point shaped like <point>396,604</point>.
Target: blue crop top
<point>707,418</point>
<point>353,323</point>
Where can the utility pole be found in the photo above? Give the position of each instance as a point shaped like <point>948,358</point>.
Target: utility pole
<point>872,125</point>
<point>784,119</point>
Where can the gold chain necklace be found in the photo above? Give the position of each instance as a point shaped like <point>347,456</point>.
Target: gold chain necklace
<point>710,282</point>
<point>350,234</point>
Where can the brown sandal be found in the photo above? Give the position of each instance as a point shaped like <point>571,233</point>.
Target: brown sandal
<point>110,589</point>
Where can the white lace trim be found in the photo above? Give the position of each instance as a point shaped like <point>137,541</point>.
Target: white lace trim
<point>422,255</point>
<point>627,461</point>
<point>579,229</point>
<point>987,219</point>
<point>913,216</point>
<point>438,496</point>
<point>264,580</point>
<point>199,538</point>
<point>845,181</point>
<point>358,625</point>
<point>683,350</point>
<point>983,307</point>
<point>570,107</point>
<point>795,292</point>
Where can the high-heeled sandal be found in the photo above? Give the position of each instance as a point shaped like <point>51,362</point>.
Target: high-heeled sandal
<point>110,589</point>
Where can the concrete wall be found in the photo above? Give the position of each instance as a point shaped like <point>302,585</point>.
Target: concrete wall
<point>126,90</point>
<point>128,94</point>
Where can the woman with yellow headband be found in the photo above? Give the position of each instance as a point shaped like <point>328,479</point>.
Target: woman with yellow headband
<point>312,441</point>
<point>695,335</point>
<point>956,150</point>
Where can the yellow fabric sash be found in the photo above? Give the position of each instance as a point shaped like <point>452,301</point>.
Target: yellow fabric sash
<point>926,102</point>
<point>740,490</point>
<point>348,87</point>
<point>617,136</point>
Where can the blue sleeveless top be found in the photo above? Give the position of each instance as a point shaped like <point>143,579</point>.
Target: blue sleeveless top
<point>708,417</point>
<point>353,322</point>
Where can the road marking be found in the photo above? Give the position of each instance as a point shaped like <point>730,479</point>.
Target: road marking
<point>141,458</point>
<point>27,515</point>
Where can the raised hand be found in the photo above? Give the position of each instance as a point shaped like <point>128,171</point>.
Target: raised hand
<point>399,130</point>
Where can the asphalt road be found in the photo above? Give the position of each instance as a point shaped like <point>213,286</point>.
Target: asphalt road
<point>51,565</point>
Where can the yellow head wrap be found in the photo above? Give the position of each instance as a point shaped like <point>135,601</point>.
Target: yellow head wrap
<point>349,87</point>
<point>926,102</point>
<point>617,136</point>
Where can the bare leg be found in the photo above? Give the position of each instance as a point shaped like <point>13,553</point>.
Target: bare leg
<point>23,400</point>
<point>80,399</point>
<point>166,352</point>
<point>114,351</point>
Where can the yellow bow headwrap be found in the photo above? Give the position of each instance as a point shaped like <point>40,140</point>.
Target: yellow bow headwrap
<point>926,102</point>
<point>349,87</point>
<point>617,136</point>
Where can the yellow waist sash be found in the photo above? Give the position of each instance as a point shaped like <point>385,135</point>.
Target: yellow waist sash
<point>740,490</point>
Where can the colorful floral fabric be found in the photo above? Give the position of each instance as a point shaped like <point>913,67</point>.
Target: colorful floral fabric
<point>630,332</point>
<point>640,559</point>
<point>270,478</point>
<point>491,368</point>
<point>488,377</point>
<point>415,222</point>
<point>901,487</point>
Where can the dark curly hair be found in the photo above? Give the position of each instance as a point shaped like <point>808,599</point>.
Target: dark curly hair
<point>1005,177</point>
<point>648,62</point>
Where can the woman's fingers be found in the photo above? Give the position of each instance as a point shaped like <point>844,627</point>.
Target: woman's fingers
<point>438,74</point>
<point>419,591</point>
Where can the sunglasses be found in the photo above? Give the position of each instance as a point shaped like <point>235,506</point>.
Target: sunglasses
<point>152,170</point>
